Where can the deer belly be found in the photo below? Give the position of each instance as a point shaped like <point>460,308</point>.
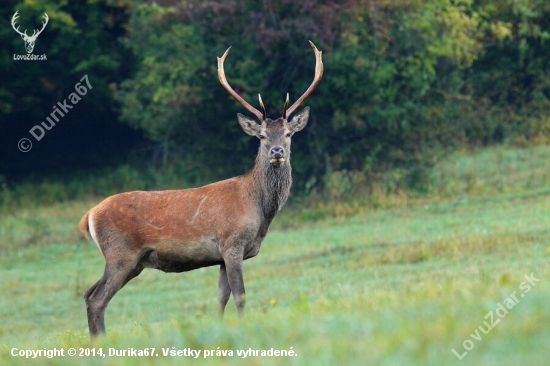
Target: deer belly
<point>182,257</point>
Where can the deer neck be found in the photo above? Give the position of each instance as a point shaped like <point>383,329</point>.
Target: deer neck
<point>271,186</point>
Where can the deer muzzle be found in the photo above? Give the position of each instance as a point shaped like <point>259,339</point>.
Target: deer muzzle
<point>276,155</point>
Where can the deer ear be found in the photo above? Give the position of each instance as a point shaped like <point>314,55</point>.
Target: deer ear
<point>299,121</point>
<point>249,125</point>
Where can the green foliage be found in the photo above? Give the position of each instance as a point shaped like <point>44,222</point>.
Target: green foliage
<point>404,82</point>
<point>73,49</point>
<point>81,38</point>
<point>171,61</point>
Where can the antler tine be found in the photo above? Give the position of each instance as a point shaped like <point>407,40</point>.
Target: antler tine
<point>286,105</point>
<point>223,81</point>
<point>43,26</point>
<point>262,107</point>
<point>13,20</point>
<point>44,23</point>
<point>316,79</point>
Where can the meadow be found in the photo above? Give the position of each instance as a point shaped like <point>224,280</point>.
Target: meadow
<point>404,281</point>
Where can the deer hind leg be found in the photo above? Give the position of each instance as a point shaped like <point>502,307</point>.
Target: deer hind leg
<point>116,275</point>
<point>223,290</point>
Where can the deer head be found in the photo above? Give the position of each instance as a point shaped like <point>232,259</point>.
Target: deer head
<point>29,41</point>
<point>274,135</point>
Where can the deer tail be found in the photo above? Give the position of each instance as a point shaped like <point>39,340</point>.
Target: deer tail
<point>83,225</point>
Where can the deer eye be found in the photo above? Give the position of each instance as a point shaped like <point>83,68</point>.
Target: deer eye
<point>288,134</point>
<point>262,137</point>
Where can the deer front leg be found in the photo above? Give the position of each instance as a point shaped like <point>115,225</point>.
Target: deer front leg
<point>234,267</point>
<point>223,290</point>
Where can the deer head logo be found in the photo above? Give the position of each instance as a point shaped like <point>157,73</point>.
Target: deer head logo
<point>29,41</point>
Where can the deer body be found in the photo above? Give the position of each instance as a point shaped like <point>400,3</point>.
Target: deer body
<point>222,223</point>
<point>182,230</point>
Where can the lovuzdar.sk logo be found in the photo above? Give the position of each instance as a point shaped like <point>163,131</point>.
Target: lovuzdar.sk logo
<point>29,40</point>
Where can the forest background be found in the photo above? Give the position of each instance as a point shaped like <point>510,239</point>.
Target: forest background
<point>405,84</point>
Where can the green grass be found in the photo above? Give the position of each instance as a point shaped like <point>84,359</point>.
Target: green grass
<point>396,286</point>
<point>499,169</point>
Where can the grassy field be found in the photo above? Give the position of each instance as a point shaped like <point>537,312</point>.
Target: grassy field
<point>401,285</point>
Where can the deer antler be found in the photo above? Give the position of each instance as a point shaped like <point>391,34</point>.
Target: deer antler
<point>261,115</point>
<point>24,34</point>
<point>285,107</point>
<point>13,20</point>
<point>262,107</point>
<point>43,26</point>
<point>316,79</point>
<point>223,81</point>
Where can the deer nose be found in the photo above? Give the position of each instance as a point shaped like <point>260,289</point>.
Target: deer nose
<point>277,152</point>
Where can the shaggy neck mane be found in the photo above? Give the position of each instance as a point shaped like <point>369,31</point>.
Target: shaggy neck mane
<point>271,185</point>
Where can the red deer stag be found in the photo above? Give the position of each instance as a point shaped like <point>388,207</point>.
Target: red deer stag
<point>221,224</point>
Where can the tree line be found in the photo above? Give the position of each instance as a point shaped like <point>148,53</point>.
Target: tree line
<point>405,82</point>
